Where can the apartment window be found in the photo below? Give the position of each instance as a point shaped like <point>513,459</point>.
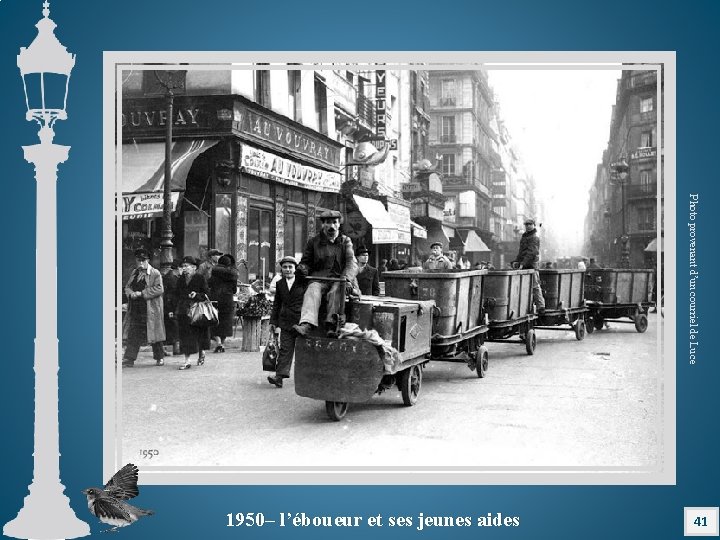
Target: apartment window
<point>646,218</point>
<point>646,105</point>
<point>447,92</point>
<point>259,242</point>
<point>321,106</point>
<point>447,134</point>
<point>448,163</point>
<point>646,139</point>
<point>294,98</point>
<point>262,87</point>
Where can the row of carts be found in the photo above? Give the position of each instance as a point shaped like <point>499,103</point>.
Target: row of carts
<point>450,315</point>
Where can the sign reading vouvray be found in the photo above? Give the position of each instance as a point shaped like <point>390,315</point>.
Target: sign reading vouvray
<point>268,165</point>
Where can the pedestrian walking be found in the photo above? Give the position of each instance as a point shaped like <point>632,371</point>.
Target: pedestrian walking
<point>144,318</point>
<point>529,257</point>
<point>223,286</point>
<point>205,269</point>
<point>286,311</point>
<point>170,278</point>
<point>191,287</point>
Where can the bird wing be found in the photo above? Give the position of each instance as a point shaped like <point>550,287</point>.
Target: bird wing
<point>123,484</point>
<point>111,508</point>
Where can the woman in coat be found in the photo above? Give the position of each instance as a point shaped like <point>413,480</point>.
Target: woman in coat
<point>191,287</point>
<point>144,318</point>
<point>223,285</point>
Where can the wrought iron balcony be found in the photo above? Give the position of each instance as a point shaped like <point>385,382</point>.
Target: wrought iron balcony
<point>366,111</point>
<point>642,191</point>
<point>646,226</point>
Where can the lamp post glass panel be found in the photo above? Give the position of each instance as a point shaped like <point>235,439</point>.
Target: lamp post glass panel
<point>620,174</point>
<point>170,81</point>
<point>45,68</point>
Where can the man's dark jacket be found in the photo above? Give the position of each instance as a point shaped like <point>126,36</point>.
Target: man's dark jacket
<point>369,281</point>
<point>288,303</point>
<point>329,259</point>
<point>529,254</point>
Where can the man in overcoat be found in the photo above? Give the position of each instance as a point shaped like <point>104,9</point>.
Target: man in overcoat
<point>529,257</point>
<point>144,318</point>
<point>368,276</point>
<point>287,306</point>
<point>328,254</point>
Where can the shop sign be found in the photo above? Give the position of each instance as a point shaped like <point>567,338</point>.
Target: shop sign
<point>146,205</point>
<point>268,165</point>
<point>410,187</point>
<point>380,112</point>
<point>401,216</point>
<point>643,153</point>
<point>264,128</point>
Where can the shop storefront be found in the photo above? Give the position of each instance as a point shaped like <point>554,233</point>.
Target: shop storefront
<point>246,180</point>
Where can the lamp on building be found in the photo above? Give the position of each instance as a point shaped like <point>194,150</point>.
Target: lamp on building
<point>45,68</point>
<point>620,174</point>
<point>170,81</point>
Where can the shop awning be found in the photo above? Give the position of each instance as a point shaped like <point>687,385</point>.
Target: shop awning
<point>143,164</point>
<point>418,231</point>
<point>384,230</point>
<point>652,246</point>
<point>471,242</point>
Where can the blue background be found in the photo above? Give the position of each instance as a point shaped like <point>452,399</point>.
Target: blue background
<point>87,27</point>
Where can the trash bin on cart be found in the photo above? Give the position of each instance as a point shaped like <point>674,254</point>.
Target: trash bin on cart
<point>459,326</point>
<point>612,294</point>
<point>507,300</point>
<point>564,294</point>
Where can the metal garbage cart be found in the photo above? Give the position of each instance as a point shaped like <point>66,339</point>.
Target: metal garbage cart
<point>507,300</point>
<point>613,294</point>
<point>564,294</point>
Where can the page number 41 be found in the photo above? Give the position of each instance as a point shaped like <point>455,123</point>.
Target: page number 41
<point>701,521</point>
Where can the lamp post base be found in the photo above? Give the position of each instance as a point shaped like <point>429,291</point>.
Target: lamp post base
<point>46,515</point>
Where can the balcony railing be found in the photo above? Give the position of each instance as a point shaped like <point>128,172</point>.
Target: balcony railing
<point>646,226</point>
<point>639,191</point>
<point>366,111</point>
<point>447,102</point>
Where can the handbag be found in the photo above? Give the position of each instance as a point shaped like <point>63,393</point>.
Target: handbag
<point>203,314</point>
<point>270,355</point>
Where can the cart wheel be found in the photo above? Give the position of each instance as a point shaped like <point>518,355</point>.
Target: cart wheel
<point>530,341</point>
<point>589,325</point>
<point>641,322</point>
<point>580,330</point>
<point>410,382</point>
<point>336,410</point>
<point>599,322</point>
<point>483,359</point>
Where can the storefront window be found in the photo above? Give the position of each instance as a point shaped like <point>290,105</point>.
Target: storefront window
<point>295,235</point>
<point>259,243</point>
<point>196,233</point>
<point>223,221</point>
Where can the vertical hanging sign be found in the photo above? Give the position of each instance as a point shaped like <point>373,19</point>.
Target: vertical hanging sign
<point>380,118</point>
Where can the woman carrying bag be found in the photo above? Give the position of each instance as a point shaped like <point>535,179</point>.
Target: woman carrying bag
<point>191,287</point>
<point>223,285</point>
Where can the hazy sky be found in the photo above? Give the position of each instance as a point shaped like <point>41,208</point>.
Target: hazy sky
<point>559,120</point>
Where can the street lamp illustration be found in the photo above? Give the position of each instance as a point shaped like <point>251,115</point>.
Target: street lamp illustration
<point>45,68</point>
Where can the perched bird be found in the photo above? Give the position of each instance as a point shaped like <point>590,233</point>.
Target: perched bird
<point>107,503</point>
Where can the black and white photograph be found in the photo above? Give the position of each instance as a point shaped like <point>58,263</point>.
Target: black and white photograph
<point>406,267</point>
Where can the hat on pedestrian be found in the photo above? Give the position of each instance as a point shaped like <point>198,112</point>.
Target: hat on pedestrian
<point>213,252</point>
<point>330,214</point>
<point>142,253</point>
<point>175,264</point>
<point>436,244</point>
<point>189,259</point>
<point>287,259</point>
<point>227,260</point>
<point>529,221</point>
<point>362,251</point>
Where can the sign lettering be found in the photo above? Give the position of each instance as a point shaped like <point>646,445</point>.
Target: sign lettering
<point>380,94</point>
<point>146,205</point>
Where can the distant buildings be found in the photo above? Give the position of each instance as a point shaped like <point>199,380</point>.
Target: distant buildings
<point>623,204</point>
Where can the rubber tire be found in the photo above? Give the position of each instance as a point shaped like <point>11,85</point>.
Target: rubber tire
<point>483,361</point>
<point>410,383</point>
<point>641,322</point>
<point>589,325</point>
<point>530,341</point>
<point>336,410</point>
<point>599,322</point>
<point>580,330</point>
